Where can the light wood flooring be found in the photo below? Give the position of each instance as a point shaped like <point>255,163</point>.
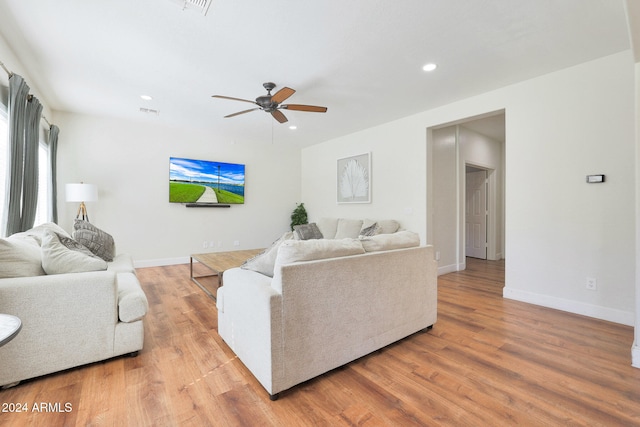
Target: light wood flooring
<point>487,362</point>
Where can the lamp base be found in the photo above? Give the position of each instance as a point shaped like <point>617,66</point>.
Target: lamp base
<point>82,212</point>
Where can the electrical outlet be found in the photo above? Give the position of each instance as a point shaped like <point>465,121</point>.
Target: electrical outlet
<point>592,284</point>
<point>236,243</point>
<point>205,244</point>
<point>437,255</point>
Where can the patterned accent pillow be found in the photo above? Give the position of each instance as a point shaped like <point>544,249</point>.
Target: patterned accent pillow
<point>369,231</point>
<point>97,241</point>
<point>74,245</point>
<point>307,231</point>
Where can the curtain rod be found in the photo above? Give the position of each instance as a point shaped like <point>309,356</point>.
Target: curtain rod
<point>9,73</point>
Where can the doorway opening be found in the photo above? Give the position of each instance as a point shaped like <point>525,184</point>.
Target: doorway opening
<point>476,213</point>
<point>465,191</point>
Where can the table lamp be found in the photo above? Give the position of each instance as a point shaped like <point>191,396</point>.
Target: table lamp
<point>82,193</point>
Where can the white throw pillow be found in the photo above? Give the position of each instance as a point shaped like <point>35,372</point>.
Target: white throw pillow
<point>20,257</point>
<point>59,259</point>
<point>263,262</point>
<point>385,242</point>
<point>328,227</point>
<point>348,228</point>
<point>37,232</point>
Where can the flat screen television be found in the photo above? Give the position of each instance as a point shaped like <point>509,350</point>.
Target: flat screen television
<point>205,182</point>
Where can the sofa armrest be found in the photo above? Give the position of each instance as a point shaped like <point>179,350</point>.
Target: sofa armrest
<point>72,316</point>
<point>250,320</point>
<point>132,302</point>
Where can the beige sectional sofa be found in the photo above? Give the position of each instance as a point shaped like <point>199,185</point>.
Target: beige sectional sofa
<point>75,308</point>
<point>328,302</point>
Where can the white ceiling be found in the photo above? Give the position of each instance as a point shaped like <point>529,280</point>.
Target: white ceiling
<point>360,58</point>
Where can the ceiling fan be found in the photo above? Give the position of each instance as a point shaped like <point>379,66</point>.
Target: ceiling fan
<point>273,103</point>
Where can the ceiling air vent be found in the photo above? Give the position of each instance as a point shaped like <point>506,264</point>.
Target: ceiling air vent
<point>149,111</point>
<point>201,6</point>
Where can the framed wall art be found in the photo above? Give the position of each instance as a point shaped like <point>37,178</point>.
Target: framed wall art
<point>354,179</point>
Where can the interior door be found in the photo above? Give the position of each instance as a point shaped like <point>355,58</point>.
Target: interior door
<point>476,213</point>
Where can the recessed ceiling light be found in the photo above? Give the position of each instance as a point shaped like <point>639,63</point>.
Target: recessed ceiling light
<point>293,127</point>
<point>146,97</point>
<point>430,67</point>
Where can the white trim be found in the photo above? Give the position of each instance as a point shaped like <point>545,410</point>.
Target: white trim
<point>635,356</point>
<point>452,268</point>
<point>571,306</point>
<point>160,262</point>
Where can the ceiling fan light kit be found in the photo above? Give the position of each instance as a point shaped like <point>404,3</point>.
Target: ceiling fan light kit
<point>273,103</point>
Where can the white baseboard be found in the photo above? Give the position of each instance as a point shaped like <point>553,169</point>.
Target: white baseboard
<point>451,268</point>
<point>160,262</point>
<point>571,306</point>
<point>447,269</point>
<point>635,355</point>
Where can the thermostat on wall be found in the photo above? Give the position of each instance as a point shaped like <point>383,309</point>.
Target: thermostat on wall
<point>595,179</point>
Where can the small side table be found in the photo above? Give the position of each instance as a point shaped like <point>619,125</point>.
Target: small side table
<point>9,328</point>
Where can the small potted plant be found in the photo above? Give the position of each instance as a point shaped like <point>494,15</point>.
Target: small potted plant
<point>298,216</point>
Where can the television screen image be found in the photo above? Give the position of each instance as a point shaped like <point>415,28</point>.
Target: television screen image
<point>205,182</point>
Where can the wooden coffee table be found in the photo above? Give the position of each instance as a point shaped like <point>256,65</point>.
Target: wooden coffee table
<point>218,262</point>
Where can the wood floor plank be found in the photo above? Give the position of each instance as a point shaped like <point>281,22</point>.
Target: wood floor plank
<point>487,361</point>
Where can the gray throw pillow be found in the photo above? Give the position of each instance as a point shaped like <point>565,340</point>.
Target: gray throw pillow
<point>97,241</point>
<point>307,231</point>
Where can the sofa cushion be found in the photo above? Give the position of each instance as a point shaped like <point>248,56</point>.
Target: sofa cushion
<point>20,257</point>
<point>348,228</point>
<point>385,242</point>
<point>307,231</point>
<point>308,250</point>
<point>263,262</point>
<point>132,302</point>
<point>328,227</point>
<point>98,241</point>
<point>58,258</point>
<point>387,226</point>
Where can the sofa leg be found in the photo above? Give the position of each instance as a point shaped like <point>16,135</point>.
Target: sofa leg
<point>428,328</point>
<point>274,397</point>
<point>133,354</point>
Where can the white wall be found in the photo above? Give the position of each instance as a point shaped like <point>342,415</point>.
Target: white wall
<point>129,162</point>
<point>559,230</point>
<point>397,165</point>
<point>11,61</point>
<point>445,197</point>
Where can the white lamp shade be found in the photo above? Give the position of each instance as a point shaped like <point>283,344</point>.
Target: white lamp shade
<point>81,192</point>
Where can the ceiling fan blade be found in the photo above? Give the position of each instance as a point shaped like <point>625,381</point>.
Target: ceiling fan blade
<point>232,98</point>
<point>241,112</point>
<point>299,107</point>
<point>282,94</point>
<point>277,114</point>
